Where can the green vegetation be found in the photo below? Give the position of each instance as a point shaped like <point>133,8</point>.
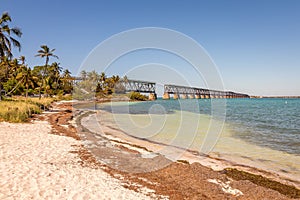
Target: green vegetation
<point>48,80</point>
<point>45,52</point>
<point>136,96</point>
<point>94,85</point>
<point>17,78</point>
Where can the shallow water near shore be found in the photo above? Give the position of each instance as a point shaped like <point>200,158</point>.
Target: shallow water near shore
<point>262,133</point>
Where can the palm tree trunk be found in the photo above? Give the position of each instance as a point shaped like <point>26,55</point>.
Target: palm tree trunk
<point>0,92</point>
<point>15,87</point>
<point>27,86</point>
<point>43,76</point>
<point>40,91</point>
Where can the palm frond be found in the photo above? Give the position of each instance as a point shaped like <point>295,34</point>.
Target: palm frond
<point>45,48</point>
<point>16,43</point>
<point>17,31</point>
<point>6,44</point>
<point>5,18</point>
<point>6,29</point>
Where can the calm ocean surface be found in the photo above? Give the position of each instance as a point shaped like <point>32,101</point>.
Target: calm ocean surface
<point>273,123</point>
<point>261,131</point>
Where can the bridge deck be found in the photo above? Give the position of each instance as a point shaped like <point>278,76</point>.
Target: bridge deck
<point>184,90</point>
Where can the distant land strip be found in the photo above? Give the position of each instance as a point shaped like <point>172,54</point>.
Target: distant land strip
<point>281,97</point>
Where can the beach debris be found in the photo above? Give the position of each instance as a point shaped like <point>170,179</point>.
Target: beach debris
<point>226,187</point>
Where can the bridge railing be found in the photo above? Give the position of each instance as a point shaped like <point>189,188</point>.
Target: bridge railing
<point>136,86</point>
<point>199,92</point>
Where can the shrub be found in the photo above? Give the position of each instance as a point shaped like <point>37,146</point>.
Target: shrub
<point>136,96</point>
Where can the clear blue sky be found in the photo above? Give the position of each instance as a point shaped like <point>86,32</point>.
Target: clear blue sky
<point>255,44</point>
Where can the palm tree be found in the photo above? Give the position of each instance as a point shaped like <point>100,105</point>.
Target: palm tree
<point>45,52</point>
<point>25,77</point>
<point>55,70</point>
<point>83,75</point>
<point>102,79</point>
<point>13,68</point>
<point>5,66</point>
<point>93,76</point>
<point>67,81</point>
<point>6,40</point>
<point>28,78</point>
<point>67,74</point>
<point>22,59</point>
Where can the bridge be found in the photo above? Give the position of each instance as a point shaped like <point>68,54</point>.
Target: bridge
<point>178,92</point>
<point>136,86</point>
<point>185,92</point>
<point>175,91</point>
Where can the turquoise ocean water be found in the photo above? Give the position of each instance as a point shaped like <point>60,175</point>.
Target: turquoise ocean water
<point>260,132</point>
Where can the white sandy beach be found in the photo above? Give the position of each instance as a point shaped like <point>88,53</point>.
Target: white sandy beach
<point>38,165</point>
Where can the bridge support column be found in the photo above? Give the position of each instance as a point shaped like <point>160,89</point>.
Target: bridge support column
<point>183,96</point>
<point>207,96</point>
<point>166,96</point>
<point>175,96</point>
<point>152,96</point>
<point>191,96</point>
<point>197,96</point>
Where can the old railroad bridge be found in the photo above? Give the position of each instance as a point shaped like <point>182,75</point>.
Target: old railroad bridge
<point>176,91</point>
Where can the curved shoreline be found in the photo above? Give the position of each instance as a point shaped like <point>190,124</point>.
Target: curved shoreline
<point>190,156</point>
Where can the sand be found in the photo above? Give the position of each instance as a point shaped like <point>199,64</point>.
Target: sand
<point>38,165</point>
<point>49,159</point>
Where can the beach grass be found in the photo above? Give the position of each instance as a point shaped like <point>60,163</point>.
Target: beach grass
<point>43,103</point>
<point>17,111</point>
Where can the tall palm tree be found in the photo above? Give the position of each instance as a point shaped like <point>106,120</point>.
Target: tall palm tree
<point>102,79</point>
<point>6,40</point>
<point>55,71</point>
<point>45,52</point>
<point>67,81</point>
<point>93,76</point>
<point>12,68</point>
<point>83,75</point>
<point>26,78</point>
<point>5,66</point>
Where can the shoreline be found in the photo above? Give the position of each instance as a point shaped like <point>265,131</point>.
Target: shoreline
<point>191,156</point>
<point>73,166</point>
<point>216,164</point>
